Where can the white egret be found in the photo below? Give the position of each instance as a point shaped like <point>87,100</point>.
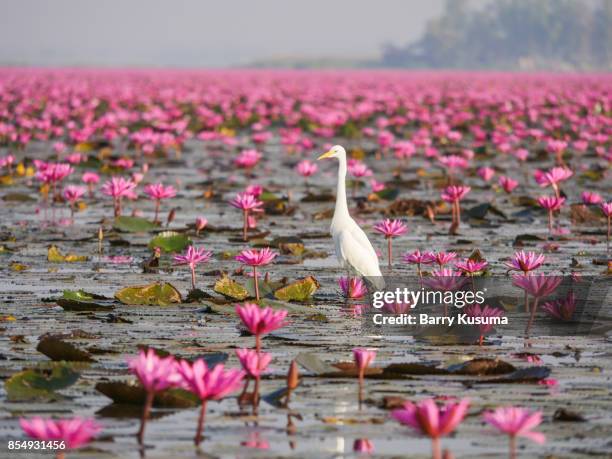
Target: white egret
<point>353,248</point>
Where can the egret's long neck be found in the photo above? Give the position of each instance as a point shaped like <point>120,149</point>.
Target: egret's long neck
<point>341,204</point>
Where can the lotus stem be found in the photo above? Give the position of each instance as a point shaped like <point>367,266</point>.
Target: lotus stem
<point>256,284</point>
<point>145,415</point>
<point>198,437</point>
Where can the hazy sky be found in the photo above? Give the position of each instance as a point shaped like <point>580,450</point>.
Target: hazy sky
<point>201,32</point>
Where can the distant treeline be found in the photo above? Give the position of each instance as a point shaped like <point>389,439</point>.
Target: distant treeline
<point>513,34</point>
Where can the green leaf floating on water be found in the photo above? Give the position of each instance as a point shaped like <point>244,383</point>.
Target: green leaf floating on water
<point>134,394</point>
<point>40,383</point>
<point>59,350</point>
<point>388,194</point>
<point>81,300</point>
<point>229,288</point>
<point>134,224</point>
<point>170,241</point>
<point>156,294</point>
<point>300,290</point>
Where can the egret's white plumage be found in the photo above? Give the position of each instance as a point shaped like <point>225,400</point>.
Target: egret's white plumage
<point>353,248</point>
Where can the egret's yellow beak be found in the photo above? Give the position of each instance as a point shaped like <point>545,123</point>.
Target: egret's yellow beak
<point>327,154</point>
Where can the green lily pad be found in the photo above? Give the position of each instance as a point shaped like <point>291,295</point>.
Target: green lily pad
<point>81,300</point>
<point>18,197</point>
<point>300,290</point>
<point>267,196</point>
<point>156,294</point>
<point>59,350</point>
<point>229,288</point>
<point>134,224</point>
<point>134,394</point>
<point>265,288</point>
<point>388,194</point>
<point>40,383</point>
<point>170,241</point>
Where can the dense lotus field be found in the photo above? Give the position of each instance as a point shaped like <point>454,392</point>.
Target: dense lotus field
<point>167,273</point>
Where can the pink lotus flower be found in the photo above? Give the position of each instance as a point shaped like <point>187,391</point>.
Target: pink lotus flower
<point>358,169</point>
<point>7,161</point>
<point>254,190</point>
<point>352,288</point>
<point>391,229</point>
<point>557,147</point>
<point>551,204</point>
<point>470,266</point>
<point>443,258</point>
<point>385,139</point>
<point>454,194</point>
<point>254,364</point>
<point>208,384</point>
<point>72,194</point>
<point>260,321</point>
<point>404,149</point>
<point>486,311</point>
<point>123,163</point>
<point>521,154</point>
<point>589,198</point>
<point>247,203</point>
<point>363,445</point>
<point>256,258</point>
<point>306,168</point>
<point>200,224</point>
<point>376,186</point>
<point>419,259</point>
<point>156,374</point>
<point>75,432</point>
<point>158,192</point>
<point>538,286</point>
<point>192,257</point>
<point>561,309</point>
<point>507,184</point>
<point>452,162</point>
<point>91,179</point>
<point>526,261</point>
<point>486,173</point>
<point>553,177</point>
<point>515,422</point>
<point>427,419</point>
<point>118,188</point>
<point>248,159</point>
<point>363,359</point>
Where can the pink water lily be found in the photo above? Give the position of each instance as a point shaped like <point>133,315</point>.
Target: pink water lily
<point>192,257</point>
<point>515,422</point>
<point>363,359</point>
<point>430,420</point>
<point>260,321</point>
<point>118,188</point>
<point>74,433</point>
<point>353,287</point>
<point>255,258</point>
<point>484,311</point>
<point>157,192</point>
<point>390,229</point>
<point>207,384</point>
<point>247,203</point>
<point>254,363</point>
<point>454,194</point>
<point>551,204</point>
<point>156,374</point>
